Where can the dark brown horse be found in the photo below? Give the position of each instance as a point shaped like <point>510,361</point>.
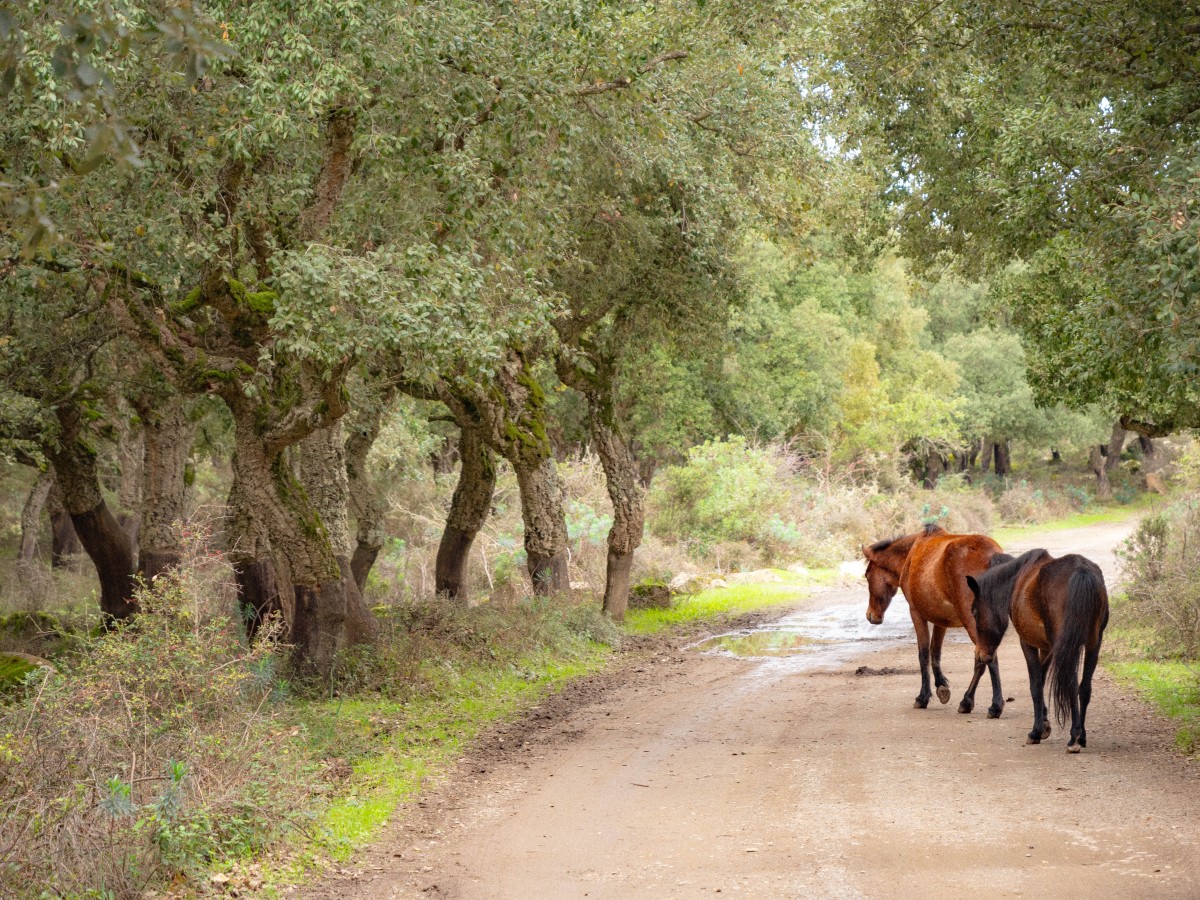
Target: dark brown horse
<point>1059,608</point>
<point>930,567</point>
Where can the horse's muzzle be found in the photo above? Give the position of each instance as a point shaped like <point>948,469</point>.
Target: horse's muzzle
<point>874,618</point>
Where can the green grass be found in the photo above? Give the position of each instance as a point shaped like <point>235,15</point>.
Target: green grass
<point>1171,686</point>
<point>717,603</point>
<point>1109,514</point>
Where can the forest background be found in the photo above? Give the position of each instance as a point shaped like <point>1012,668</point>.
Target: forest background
<point>362,361</point>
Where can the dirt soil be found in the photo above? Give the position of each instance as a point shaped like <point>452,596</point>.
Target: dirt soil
<point>686,773</point>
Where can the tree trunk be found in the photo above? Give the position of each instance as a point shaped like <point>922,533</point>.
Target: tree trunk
<point>629,509</point>
<point>105,542</point>
<point>442,460</point>
<point>514,415</point>
<point>260,594</point>
<point>933,470</point>
<point>365,501</point>
<point>31,515</point>
<point>1146,445</point>
<point>1116,444</point>
<point>621,475</point>
<point>469,509</point>
<point>1097,463</point>
<point>1001,451</point>
<point>64,542</point>
<point>166,442</point>
<point>342,617</point>
<point>546,539</point>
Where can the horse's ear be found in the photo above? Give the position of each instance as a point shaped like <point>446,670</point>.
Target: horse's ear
<point>973,585</point>
<point>868,553</point>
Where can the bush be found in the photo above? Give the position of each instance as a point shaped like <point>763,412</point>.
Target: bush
<point>1160,560</point>
<point>149,756</point>
<point>727,491</point>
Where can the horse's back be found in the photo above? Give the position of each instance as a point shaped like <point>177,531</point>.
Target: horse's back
<point>935,578</point>
<point>1041,592</point>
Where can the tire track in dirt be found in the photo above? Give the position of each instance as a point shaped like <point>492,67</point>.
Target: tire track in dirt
<point>685,774</point>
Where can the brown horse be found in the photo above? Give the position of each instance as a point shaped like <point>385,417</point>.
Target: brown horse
<point>1059,608</point>
<point>930,567</point>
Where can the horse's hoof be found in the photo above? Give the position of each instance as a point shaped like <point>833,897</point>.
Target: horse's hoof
<point>1074,748</point>
<point>943,693</point>
<point>1032,738</point>
<point>965,707</point>
<point>1045,731</point>
<point>920,704</point>
<point>994,712</point>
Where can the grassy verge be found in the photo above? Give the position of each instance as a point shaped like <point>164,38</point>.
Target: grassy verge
<point>1172,687</point>
<point>727,602</point>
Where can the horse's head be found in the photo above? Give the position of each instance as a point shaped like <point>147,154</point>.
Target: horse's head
<point>882,585</point>
<point>988,608</point>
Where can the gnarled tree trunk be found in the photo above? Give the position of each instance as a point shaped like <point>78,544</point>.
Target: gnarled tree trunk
<point>469,508</point>
<point>1096,462</point>
<point>64,542</point>
<point>31,515</point>
<point>105,542</point>
<point>1116,443</point>
<point>546,537</point>
<point>365,501</point>
<point>339,617</point>
<point>621,476</point>
<point>130,456</point>
<point>260,594</point>
<point>512,412</point>
<point>166,441</point>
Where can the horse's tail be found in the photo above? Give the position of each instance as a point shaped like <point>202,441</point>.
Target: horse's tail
<point>1085,597</point>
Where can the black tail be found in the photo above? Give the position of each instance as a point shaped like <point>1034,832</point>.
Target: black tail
<point>1085,597</point>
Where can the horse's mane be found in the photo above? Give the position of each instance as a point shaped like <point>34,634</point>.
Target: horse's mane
<point>997,583</point>
<point>928,529</point>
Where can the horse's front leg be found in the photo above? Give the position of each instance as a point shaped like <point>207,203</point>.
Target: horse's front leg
<point>1037,690</point>
<point>997,707</point>
<point>968,701</point>
<point>935,659</point>
<point>922,629</point>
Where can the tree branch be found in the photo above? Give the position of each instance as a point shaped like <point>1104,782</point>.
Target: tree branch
<point>331,180</point>
<point>620,84</point>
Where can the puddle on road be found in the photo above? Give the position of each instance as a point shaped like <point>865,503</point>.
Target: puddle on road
<point>758,643</point>
<point>829,634</point>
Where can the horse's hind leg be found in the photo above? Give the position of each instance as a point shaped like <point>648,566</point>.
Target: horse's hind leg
<point>935,659</point>
<point>1037,689</point>
<point>922,629</point>
<point>1090,658</point>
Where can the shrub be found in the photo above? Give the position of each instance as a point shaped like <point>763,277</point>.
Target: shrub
<point>1160,560</point>
<point>726,491</point>
<point>149,756</point>
<point>1022,504</point>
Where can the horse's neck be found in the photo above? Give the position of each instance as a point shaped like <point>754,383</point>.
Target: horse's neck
<point>897,552</point>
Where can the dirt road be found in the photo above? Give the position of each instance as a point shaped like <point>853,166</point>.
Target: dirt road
<point>696,773</point>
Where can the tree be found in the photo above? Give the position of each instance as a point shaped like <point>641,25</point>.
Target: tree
<point>1060,134</point>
